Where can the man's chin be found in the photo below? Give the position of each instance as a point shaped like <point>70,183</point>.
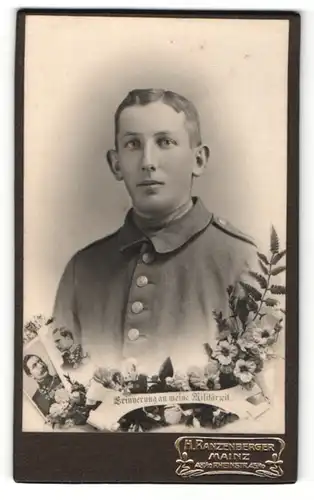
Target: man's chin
<point>153,206</point>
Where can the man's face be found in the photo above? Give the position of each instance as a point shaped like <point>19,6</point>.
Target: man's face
<point>37,368</point>
<point>155,158</point>
<point>62,343</point>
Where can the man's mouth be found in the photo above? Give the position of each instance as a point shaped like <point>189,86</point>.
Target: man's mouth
<point>150,182</point>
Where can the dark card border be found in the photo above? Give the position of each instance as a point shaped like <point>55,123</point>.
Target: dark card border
<point>148,458</point>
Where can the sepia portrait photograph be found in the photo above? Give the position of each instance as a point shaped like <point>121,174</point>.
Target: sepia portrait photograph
<point>40,378</point>
<point>155,222</point>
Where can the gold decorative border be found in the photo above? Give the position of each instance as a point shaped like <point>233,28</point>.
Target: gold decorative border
<point>271,468</point>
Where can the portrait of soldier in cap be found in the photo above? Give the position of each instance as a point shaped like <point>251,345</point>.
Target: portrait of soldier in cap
<point>148,291</point>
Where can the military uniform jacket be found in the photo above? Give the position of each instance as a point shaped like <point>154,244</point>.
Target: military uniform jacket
<point>44,396</point>
<point>130,295</point>
<point>73,357</point>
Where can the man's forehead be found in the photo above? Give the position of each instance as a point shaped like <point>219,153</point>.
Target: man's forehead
<point>34,359</point>
<point>153,117</point>
<point>61,332</point>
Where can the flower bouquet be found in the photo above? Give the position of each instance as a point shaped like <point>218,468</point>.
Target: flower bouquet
<point>69,407</point>
<point>248,334</point>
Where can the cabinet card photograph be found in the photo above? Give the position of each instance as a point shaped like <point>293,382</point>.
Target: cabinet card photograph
<point>155,221</point>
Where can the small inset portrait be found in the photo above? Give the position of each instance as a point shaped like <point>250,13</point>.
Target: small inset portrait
<point>71,352</point>
<point>40,378</point>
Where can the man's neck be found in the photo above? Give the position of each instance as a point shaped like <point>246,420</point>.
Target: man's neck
<point>152,223</point>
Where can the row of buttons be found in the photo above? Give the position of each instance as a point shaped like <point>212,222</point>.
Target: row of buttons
<point>137,307</point>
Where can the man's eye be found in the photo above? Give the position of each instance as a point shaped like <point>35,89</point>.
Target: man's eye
<point>165,142</point>
<point>132,144</point>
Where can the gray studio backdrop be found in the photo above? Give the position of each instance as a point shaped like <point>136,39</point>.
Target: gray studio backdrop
<point>78,69</point>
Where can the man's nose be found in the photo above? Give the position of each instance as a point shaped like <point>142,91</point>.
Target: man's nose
<point>149,160</point>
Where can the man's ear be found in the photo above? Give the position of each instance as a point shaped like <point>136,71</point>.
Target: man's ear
<point>112,159</point>
<point>201,159</point>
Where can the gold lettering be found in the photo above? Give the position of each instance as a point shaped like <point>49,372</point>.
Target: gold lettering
<point>199,443</point>
<point>188,444</point>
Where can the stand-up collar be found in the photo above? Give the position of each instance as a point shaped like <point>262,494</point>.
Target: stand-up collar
<point>171,237</point>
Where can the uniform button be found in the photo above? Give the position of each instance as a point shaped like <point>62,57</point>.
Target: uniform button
<point>147,257</point>
<point>133,334</point>
<point>142,281</point>
<point>137,307</point>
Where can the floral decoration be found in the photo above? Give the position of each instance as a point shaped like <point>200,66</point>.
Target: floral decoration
<point>69,407</point>
<point>245,341</point>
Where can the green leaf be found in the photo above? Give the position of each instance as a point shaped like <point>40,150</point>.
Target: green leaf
<point>276,258</point>
<point>31,327</point>
<point>251,290</point>
<point>263,267</point>
<point>259,278</point>
<point>263,258</point>
<point>242,310</point>
<point>271,302</point>
<point>221,322</point>
<point>208,350</point>
<point>68,378</point>
<point>274,241</point>
<point>278,327</point>
<point>278,270</point>
<point>252,305</point>
<point>166,369</point>
<point>232,302</point>
<point>278,289</point>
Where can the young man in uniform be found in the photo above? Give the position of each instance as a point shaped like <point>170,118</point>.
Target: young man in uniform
<point>72,354</point>
<point>148,291</point>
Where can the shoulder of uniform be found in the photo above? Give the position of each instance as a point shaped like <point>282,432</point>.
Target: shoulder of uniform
<point>226,227</point>
<point>98,243</point>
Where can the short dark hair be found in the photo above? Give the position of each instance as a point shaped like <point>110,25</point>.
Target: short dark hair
<point>172,99</point>
<point>63,332</point>
<point>25,361</point>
